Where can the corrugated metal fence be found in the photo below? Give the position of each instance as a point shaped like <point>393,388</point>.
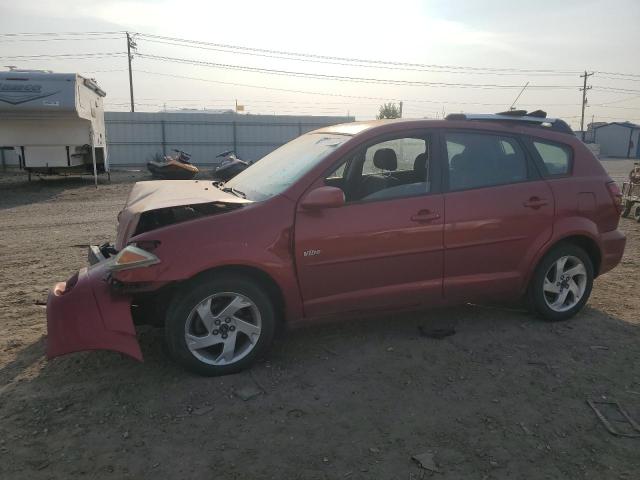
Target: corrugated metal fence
<point>134,138</point>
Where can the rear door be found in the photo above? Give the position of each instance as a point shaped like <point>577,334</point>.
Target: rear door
<point>383,248</point>
<point>498,213</point>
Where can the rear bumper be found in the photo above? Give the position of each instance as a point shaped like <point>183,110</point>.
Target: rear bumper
<point>85,314</point>
<point>612,245</point>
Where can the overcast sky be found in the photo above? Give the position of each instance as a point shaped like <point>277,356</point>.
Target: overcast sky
<point>564,36</point>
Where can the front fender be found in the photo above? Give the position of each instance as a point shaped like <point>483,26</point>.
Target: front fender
<point>258,236</point>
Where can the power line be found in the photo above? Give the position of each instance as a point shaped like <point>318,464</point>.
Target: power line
<point>351,60</point>
<point>636,75</point>
<point>58,34</point>
<point>102,71</point>
<point>623,79</point>
<point>237,48</point>
<point>616,89</point>
<point>348,64</point>
<point>63,56</point>
<point>619,100</point>
<point>361,97</point>
<point>235,84</point>
<point>342,78</point>
<point>56,39</point>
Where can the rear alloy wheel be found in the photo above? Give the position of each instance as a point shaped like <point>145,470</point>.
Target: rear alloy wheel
<point>220,326</point>
<point>562,283</point>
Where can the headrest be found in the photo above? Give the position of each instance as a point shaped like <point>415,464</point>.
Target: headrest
<point>420,163</point>
<point>457,161</point>
<point>385,159</point>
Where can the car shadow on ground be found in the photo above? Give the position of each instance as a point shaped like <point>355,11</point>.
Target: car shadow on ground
<point>504,396</point>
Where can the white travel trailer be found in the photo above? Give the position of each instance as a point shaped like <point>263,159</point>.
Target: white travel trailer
<point>54,122</point>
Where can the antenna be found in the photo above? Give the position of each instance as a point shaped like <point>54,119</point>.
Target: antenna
<point>512,107</point>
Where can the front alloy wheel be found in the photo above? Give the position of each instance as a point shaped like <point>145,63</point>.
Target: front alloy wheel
<point>218,325</point>
<point>223,328</point>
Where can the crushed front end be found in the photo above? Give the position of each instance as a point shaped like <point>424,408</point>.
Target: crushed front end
<point>93,309</point>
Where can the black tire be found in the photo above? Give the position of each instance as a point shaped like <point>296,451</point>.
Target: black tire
<point>195,291</point>
<point>536,293</point>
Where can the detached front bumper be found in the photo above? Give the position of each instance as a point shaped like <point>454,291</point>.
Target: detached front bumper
<point>85,314</point>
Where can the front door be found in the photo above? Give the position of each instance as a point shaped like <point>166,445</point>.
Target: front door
<point>383,248</point>
<point>499,212</point>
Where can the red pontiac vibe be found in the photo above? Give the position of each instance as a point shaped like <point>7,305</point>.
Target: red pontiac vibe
<point>354,218</point>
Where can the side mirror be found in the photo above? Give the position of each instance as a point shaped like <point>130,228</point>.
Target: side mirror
<point>323,197</point>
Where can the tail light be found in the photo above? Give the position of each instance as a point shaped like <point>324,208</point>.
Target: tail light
<point>616,196</point>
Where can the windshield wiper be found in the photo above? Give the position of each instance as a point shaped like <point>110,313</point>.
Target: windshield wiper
<point>237,193</point>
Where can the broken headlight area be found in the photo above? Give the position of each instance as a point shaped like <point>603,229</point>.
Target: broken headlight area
<point>162,217</point>
<point>132,256</point>
<point>97,254</point>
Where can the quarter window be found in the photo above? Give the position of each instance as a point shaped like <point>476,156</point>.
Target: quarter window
<point>556,158</point>
<point>479,160</point>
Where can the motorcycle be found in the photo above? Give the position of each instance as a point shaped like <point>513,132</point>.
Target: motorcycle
<point>229,167</point>
<point>178,167</point>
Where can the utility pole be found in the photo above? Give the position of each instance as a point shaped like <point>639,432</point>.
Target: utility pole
<point>130,43</point>
<point>400,108</point>
<point>584,99</point>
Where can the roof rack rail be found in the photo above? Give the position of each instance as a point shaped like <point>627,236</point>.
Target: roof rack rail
<point>523,113</point>
<point>513,113</point>
<point>536,118</point>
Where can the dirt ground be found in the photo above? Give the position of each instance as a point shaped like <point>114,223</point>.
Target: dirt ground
<point>503,398</point>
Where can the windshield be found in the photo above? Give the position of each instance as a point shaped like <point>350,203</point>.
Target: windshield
<point>283,167</point>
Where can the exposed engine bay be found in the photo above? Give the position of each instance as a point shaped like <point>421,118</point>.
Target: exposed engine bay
<point>156,204</point>
<point>154,219</point>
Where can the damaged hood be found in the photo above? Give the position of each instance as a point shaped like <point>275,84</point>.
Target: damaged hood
<point>158,194</point>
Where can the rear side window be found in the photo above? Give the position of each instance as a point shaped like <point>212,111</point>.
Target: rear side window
<point>556,158</point>
<point>479,160</point>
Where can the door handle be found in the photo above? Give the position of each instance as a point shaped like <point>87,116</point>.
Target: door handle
<point>535,203</point>
<point>424,216</point>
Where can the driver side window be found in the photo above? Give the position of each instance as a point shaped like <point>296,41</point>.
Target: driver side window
<point>385,170</point>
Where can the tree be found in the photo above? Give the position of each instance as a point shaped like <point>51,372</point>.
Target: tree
<point>388,110</point>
